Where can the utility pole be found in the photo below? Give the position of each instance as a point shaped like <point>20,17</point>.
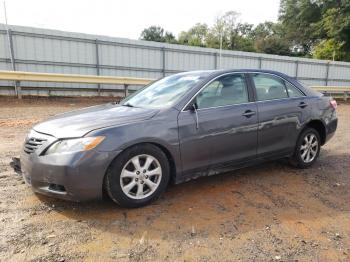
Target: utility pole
<point>12,55</point>
<point>220,56</point>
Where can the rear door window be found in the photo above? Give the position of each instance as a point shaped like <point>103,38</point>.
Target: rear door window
<point>293,91</point>
<point>269,87</point>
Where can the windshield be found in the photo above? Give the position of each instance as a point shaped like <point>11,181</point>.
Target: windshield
<point>164,92</point>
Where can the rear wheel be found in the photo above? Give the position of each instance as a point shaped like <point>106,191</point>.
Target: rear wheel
<point>307,149</point>
<point>138,176</point>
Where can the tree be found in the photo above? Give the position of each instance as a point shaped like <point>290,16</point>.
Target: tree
<point>153,33</point>
<point>156,33</point>
<point>273,45</point>
<point>331,50</point>
<point>226,25</point>
<point>299,19</point>
<point>335,24</point>
<point>234,35</point>
<point>170,38</point>
<point>218,34</point>
<point>263,30</point>
<point>268,37</point>
<point>195,36</point>
<point>317,27</point>
<point>241,38</point>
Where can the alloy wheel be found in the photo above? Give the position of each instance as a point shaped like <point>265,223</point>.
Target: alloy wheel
<point>309,148</point>
<point>141,176</point>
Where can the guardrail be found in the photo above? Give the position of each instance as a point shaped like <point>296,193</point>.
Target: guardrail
<point>71,78</point>
<point>68,78</point>
<point>336,91</point>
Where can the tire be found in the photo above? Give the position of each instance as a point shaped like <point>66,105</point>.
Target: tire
<point>300,158</point>
<point>124,180</point>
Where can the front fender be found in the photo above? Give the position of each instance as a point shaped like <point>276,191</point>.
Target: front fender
<point>156,131</point>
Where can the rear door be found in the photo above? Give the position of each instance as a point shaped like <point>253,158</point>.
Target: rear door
<point>282,109</point>
<point>226,130</point>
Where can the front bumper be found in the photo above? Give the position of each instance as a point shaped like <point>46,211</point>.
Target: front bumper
<point>74,176</point>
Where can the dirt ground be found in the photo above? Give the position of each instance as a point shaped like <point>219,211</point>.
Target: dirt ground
<point>270,212</point>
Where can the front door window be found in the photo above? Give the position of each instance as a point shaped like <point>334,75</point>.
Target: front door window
<point>225,90</point>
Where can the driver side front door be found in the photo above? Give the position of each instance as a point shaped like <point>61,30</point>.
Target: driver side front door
<point>226,131</point>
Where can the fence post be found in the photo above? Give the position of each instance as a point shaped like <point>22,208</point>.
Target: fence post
<point>216,60</point>
<point>260,62</point>
<point>296,69</point>
<point>327,73</point>
<point>97,66</point>
<point>126,91</point>
<point>163,61</point>
<point>13,63</point>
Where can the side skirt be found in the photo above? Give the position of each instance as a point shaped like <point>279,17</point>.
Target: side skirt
<point>227,167</point>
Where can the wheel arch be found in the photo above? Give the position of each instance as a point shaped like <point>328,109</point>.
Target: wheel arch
<point>163,148</point>
<point>319,126</point>
<point>170,158</point>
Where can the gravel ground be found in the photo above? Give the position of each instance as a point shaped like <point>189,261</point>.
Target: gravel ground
<point>270,212</point>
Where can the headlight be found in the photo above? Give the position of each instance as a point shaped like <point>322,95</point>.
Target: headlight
<point>74,145</point>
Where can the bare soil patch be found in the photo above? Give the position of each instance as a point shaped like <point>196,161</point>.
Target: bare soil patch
<point>270,212</point>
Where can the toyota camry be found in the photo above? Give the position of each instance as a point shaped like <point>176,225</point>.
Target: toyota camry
<point>180,127</point>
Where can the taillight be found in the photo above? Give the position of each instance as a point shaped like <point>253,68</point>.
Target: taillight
<point>333,103</point>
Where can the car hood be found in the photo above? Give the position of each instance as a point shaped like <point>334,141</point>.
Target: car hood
<point>80,122</point>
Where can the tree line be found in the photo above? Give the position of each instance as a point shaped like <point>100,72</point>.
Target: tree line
<point>306,28</point>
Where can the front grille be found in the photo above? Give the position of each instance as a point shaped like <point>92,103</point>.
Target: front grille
<point>32,144</point>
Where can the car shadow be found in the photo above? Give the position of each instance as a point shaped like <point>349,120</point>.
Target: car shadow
<point>230,203</point>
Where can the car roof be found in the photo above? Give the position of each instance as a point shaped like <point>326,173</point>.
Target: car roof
<point>210,74</point>
<point>223,71</point>
<point>243,70</point>
<point>216,72</point>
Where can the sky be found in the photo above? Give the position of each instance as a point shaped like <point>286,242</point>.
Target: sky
<point>127,18</point>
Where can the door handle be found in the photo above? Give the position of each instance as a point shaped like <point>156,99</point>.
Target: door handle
<point>302,105</point>
<point>248,113</point>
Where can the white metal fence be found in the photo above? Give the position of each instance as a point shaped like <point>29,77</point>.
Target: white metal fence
<point>51,51</point>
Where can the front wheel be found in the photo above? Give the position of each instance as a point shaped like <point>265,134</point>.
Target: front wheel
<point>138,176</point>
<point>307,149</point>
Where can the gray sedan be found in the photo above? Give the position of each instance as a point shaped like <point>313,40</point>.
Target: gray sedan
<point>178,128</point>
